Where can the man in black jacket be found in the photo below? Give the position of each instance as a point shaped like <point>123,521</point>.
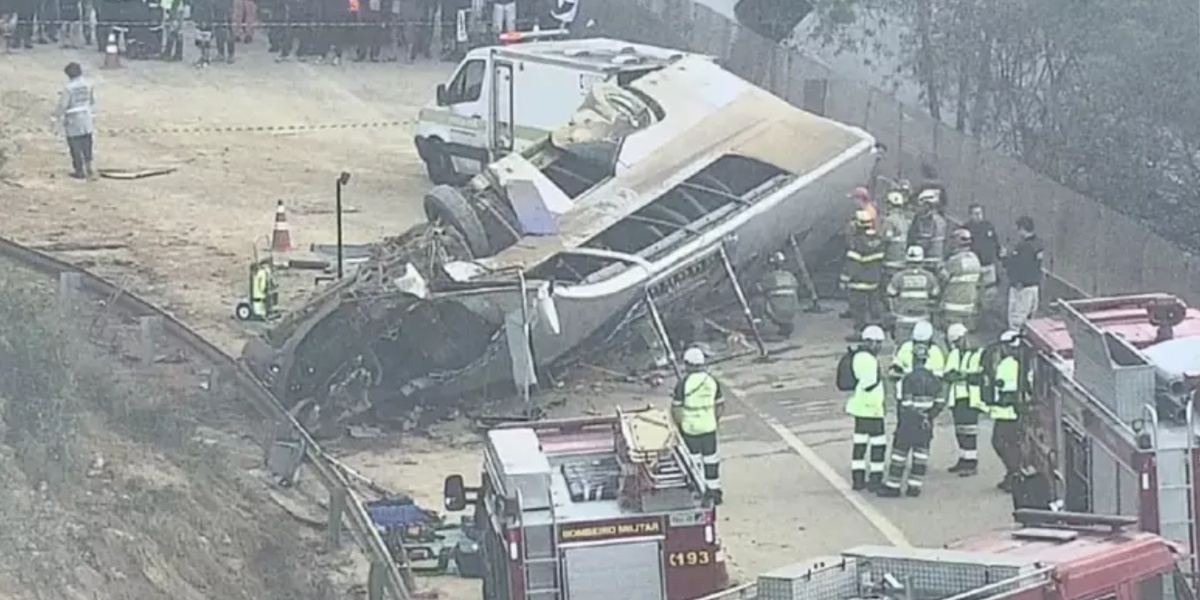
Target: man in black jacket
<point>1024,268</point>
<point>986,246</point>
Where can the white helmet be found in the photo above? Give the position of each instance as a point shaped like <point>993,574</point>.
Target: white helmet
<point>693,356</point>
<point>956,332</point>
<point>922,332</point>
<point>1010,337</point>
<point>932,196</point>
<point>872,333</point>
<point>915,254</point>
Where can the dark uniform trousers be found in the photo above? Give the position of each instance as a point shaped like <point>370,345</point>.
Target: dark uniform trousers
<point>966,432</point>
<point>704,445</point>
<point>1006,441</point>
<point>911,441</point>
<point>869,455</point>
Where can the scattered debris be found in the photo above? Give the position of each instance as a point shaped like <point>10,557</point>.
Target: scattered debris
<point>128,174</point>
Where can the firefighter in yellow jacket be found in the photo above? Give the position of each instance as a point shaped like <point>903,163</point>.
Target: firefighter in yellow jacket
<point>1003,407</point>
<point>964,374</point>
<point>902,359</point>
<point>866,404</point>
<point>960,275</point>
<point>862,274</point>
<point>696,409</point>
<point>263,292</point>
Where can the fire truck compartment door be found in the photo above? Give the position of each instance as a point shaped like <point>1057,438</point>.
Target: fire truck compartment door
<point>629,571</point>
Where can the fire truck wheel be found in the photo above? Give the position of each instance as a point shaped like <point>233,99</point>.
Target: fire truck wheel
<point>447,206</point>
<point>438,164</point>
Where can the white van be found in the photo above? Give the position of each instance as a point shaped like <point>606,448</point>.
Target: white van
<point>501,99</point>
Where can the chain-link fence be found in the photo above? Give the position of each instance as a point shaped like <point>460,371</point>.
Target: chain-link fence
<point>1091,248</point>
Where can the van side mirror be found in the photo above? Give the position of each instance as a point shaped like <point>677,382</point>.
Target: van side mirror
<point>454,491</point>
<point>441,95</point>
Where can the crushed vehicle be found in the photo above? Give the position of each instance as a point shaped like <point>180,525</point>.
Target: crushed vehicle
<point>1050,555</point>
<point>1112,410</point>
<point>641,204</point>
<point>592,508</point>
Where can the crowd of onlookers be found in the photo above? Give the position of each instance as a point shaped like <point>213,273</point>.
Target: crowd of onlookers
<point>316,30</point>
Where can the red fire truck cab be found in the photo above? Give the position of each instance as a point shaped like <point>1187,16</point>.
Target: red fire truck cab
<point>1111,410</point>
<point>1050,556</point>
<point>592,509</point>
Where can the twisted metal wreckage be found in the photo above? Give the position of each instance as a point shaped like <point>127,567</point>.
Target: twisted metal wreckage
<point>555,249</point>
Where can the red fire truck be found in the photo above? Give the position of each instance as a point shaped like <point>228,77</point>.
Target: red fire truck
<point>1049,556</point>
<point>592,509</point>
<point>1111,413</point>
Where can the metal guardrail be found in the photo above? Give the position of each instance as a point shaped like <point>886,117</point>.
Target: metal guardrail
<point>385,576</point>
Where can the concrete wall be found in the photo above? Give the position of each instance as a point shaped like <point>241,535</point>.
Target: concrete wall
<point>1093,250</point>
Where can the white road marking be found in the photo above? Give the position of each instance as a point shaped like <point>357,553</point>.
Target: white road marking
<point>881,523</point>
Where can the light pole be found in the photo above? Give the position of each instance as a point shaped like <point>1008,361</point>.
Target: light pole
<point>342,180</point>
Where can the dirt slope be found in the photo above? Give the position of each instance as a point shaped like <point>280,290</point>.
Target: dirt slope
<point>110,489</point>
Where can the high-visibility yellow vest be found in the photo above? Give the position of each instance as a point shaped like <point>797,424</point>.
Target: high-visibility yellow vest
<point>1007,382</point>
<point>258,291</point>
<point>866,401</point>
<point>699,415</point>
<point>966,362</point>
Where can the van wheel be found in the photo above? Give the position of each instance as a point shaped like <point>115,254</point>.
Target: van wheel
<point>445,205</point>
<point>438,164</point>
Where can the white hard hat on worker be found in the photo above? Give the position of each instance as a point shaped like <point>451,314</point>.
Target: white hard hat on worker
<point>693,357</point>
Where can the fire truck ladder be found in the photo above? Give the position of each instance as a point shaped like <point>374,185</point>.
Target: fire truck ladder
<point>651,445</point>
<point>539,556</point>
<point>1176,486</point>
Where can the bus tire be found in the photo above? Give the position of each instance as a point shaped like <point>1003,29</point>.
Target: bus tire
<point>448,206</point>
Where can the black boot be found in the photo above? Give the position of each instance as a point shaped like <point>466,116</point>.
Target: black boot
<point>912,492</point>
<point>958,466</point>
<point>887,492</point>
<point>718,497</point>
<point>1005,485</point>
<point>858,481</point>
<point>969,469</point>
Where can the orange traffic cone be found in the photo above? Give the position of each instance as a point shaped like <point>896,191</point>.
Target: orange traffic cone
<point>281,237</point>
<point>112,57</point>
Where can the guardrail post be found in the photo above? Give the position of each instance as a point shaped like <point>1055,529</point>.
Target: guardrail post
<point>375,579</point>
<point>333,529</point>
<point>69,283</point>
<point>149,327</point>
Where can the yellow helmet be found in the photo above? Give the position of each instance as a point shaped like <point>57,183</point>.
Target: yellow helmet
<point>895,198</point>
<point>862,218</point>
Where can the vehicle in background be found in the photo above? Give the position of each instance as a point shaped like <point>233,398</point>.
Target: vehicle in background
<point>502,99</point>
<point>1111,412</point>
<point>1051,555</point>
<point>592,509</point>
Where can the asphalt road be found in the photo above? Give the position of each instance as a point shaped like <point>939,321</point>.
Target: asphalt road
<point>786,451</point>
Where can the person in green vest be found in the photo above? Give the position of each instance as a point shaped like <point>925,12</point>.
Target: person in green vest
<point>696,409</point>
<point>779,289</point>
<point>905,356</point>
<point>868,456</point>
<point>964,374</point>
<point>263,292</point>
<point>1005,400</point>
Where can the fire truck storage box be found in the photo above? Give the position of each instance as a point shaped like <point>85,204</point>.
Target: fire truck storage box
<point>524,469</point>
<point>932,573</point>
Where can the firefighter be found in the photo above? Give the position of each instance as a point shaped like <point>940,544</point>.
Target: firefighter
<point>915,412</point>
<point>1005,398</point>
<point>904,360</point>
<point>862,274</point>
<point>912,292</point>
<point>262,291</point>
<point>896,224</point>
<point>931,181</point>
<point>779,289</point>
<point>869,454</point>
<point>696,408</point>
<point>964,375</point>
<point>960,274</point>
<point>929,229</point>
